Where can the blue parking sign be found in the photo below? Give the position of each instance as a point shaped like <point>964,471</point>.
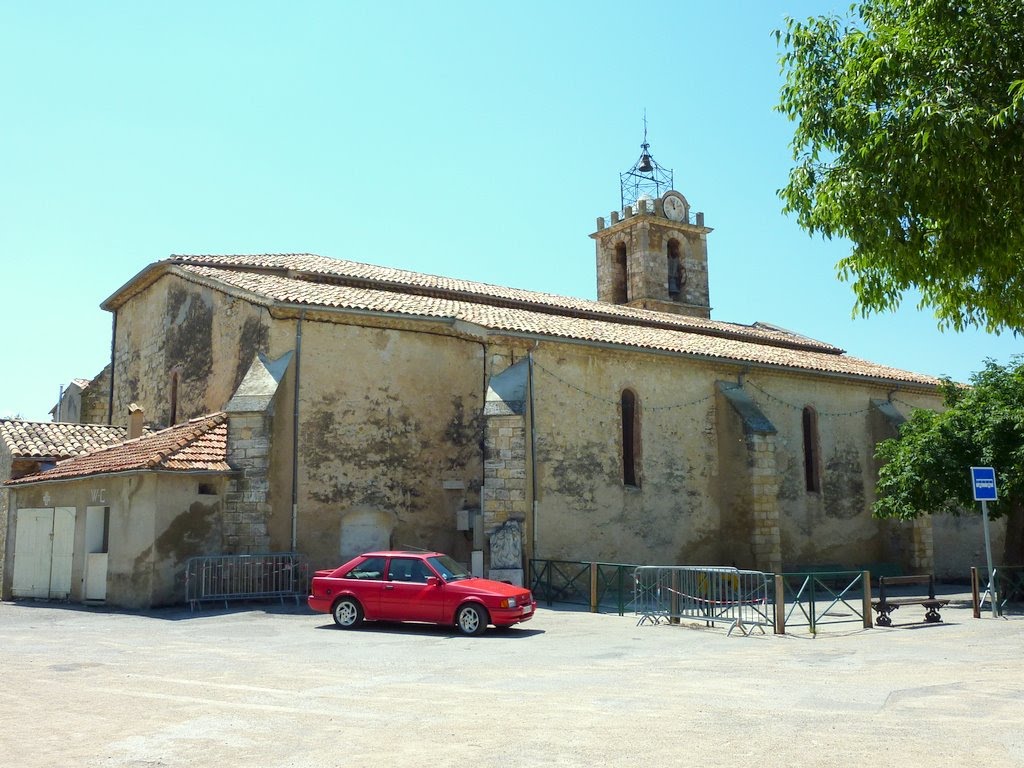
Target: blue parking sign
<point>984,480</point>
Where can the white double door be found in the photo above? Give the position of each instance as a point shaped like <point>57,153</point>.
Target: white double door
<point>43,553</point>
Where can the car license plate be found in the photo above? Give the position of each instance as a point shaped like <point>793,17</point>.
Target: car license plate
<point>527,609</point>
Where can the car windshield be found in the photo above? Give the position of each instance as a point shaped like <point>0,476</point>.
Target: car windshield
<point>449,569</point>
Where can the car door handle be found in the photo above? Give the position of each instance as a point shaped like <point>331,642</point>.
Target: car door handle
<point>389,586</point>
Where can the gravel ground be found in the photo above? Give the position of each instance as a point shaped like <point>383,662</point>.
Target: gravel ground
<point>278,687</point>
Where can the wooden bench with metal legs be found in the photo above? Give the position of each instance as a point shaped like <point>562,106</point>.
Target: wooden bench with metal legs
<point>885,605</point>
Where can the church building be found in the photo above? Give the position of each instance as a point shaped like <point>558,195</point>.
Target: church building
<point>298,403</point>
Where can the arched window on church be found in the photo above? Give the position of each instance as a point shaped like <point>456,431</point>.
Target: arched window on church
<point>630,439</point>
<point>173,416</point>
<point>620,276</point>
<point>812,468</point>
<point>675,270</point>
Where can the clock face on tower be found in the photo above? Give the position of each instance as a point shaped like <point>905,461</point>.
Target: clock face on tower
<point>675,208</point>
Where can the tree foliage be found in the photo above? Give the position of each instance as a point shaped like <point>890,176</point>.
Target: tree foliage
<point>926,469</point>
<point>909,141</point>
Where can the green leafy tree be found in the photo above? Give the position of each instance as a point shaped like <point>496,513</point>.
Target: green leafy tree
<point>909,141</point>
<point>927,468</point>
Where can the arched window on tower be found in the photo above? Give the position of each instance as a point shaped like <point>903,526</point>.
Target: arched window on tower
<point>630,439</point>
<point>676,275</point>
<point>620,276</point>
<point>812,470</point>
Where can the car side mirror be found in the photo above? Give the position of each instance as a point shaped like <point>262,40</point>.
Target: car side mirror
<point>433,581</point>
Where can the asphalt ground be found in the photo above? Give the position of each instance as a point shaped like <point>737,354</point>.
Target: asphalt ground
<point>276,686</point>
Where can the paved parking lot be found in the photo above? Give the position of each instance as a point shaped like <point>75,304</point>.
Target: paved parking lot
<point>275,686</point>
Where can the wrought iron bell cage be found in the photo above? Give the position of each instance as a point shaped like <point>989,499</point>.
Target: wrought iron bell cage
<point>645,178</point>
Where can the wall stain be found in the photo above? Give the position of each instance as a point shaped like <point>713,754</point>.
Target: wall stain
<point>843,484</point>
<point>464,435</point>
<point>576,471</point>
<point>369,456</point>
<point>189,334</point>
<point>254,338</point>
<point>190,533</point>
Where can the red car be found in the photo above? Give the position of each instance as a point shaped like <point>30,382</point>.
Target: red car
<point>417,586</point>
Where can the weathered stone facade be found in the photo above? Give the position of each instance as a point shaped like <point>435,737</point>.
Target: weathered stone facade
<point>247,505</point>
<point>371,408</point>
<point>505,473</point>
<point>648,260</point>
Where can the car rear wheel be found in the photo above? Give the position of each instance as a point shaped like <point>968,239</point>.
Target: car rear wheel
<point>347,613</point>
<point>471,619</point>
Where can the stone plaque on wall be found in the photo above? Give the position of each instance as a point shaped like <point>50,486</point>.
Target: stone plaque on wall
<point>507,553</point>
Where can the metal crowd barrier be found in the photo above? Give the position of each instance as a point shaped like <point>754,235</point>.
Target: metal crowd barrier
<point>713,595</point>
<point>246,577</point>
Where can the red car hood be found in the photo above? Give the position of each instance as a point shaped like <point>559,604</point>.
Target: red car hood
<point>487,585</point>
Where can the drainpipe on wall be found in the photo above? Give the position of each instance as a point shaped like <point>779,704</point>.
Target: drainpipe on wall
<point>533,454</point>
<point>113,345</point>
<point>295,434</point>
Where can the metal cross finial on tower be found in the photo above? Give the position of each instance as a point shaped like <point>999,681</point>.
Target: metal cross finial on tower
<point>645,158</point>
<point>646,178</point>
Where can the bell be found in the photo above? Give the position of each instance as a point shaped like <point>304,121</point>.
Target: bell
<point>645,163</point>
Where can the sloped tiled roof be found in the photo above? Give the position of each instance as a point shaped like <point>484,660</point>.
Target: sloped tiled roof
<point>55,441</point>
<point>199,445</point>
<point>318,282</point>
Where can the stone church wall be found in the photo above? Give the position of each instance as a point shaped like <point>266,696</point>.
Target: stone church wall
<point>207,337</point>
<point>705,488</point>
<point>584,510</point>
<point>390,439</point>
<point>831,525</point>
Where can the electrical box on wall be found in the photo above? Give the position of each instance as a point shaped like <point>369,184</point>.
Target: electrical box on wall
<point>464,520</point>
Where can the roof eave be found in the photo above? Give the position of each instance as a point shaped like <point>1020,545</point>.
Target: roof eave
<point>23,482</point>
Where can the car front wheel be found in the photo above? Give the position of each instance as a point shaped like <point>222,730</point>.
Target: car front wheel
<point>347,613</point>
<point>471,619</point>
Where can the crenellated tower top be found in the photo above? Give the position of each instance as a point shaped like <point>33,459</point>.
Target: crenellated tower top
<point>652,254</point>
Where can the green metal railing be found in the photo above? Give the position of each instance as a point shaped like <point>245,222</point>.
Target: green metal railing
<point>825,597</point>
<point>800,599</point>
<point>1009,587</point>
<point>598,586</point>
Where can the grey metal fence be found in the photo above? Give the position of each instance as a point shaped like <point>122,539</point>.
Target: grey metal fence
<point>264,576</point>
<point>713,595</point>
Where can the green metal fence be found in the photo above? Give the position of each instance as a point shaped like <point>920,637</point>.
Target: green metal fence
<point>601,587</point>
<point>800,599</point>
<point>825,597</point>
<point>1009,587</point>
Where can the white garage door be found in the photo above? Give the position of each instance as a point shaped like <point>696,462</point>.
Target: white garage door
<point>43,550</point>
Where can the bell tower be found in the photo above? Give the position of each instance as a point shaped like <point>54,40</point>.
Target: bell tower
<point>653,252</point>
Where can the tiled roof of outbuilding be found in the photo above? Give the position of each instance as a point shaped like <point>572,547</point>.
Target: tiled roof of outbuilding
<point>199,445</point>
<point>56,441</point>
<point>312,281</point>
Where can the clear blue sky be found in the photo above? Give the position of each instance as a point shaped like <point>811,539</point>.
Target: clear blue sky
<point>469,139</point>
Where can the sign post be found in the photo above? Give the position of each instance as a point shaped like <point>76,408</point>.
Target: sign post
<point>984,481</point>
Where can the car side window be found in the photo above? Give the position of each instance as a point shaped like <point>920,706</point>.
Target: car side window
<point>407,569</point>
<point>420,572</point>
<point>370,568</point>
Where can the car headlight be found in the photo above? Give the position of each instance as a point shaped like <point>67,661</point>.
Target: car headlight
<point>508,602</point>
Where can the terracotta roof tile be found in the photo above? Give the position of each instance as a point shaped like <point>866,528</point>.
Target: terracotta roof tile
<point>198,445</point>
<point>56,441</point>
<point>316,281</point>
<point>306,267</point>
